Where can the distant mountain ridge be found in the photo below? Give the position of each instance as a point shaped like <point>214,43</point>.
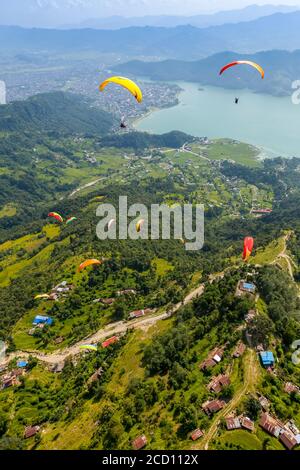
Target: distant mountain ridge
<point>58,111</point>
<point>278,31</point>
<point>249,13</point>
<point>96,14</point>
<point>281,67</point>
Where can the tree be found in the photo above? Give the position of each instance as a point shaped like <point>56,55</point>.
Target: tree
<point>228,392</point>
<point>266,443</point>
<point>119,311</point>
<point>178,376</point>
<point>261,329</point>
<point>252,408</point>
<point>11,443</point>
<point>3,423</point>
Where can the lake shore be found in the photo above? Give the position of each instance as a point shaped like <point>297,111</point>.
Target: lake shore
<point>266,122</point>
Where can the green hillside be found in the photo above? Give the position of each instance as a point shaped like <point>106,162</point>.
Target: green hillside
<point>55,112</point>
<point>149,381</point>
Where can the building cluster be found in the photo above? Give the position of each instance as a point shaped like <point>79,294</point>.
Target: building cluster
<point>239,422</point>
<point>90,157</point>
<point>218,383</point>
<point>12,378</point>
<point>126,292</point>
<point>288,434</point>
<point>61,290</point>
<point>39,322</point>
<point>290,388</point>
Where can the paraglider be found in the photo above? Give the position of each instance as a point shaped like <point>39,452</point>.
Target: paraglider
<point>248,247</point>
<point>125,83</point>
<point>89,262</point>
<point>246,62</point>
<point>42,296</point>
<point>71,219</point>
<point>56,216</point>
<point>88,347</point>
<point>123,124</point>
<point>236,100</point>
<point>139,225</point>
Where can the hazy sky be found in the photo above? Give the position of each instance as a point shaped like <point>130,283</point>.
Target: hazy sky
<point>41,12</point>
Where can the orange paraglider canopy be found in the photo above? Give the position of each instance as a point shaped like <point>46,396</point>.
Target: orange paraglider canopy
<point>248,247</point>
<point>88,262</point>
<point>246,62</point>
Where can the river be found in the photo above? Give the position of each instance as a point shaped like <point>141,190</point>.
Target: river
<point>268,122</point>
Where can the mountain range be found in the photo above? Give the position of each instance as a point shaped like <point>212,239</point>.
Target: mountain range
<point>278,31</point>
<point>250,13</point>
<point>95,14</point>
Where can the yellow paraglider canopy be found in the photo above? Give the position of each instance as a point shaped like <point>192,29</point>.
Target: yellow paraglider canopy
<point>88,347</point>
<point>88,262</point>
<point>125,83</point>
<point>42,296</point>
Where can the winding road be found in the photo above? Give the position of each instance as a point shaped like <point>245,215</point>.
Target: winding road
<point>286,257</point>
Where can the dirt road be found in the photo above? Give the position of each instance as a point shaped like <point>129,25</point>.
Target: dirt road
<point>109,330</point>
<point>251,375</point>
<point>289,261</point>
<point>87,185</point>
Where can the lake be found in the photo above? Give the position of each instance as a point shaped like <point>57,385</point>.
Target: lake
<point>270,123</point>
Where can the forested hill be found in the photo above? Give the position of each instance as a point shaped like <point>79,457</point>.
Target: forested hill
<point>58,111</point>
<point>281,67</point>
<point>142,140</point>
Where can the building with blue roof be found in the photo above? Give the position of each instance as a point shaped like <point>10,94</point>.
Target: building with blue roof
<point>267,359</point>
<point>22,364</point>
<point>248,287</point>
<point>40,319</point>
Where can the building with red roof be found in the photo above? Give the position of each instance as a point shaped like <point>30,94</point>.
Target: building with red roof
<point>197,434</point>
<point>139,442</point>
<point>232,423</point>
<point>288,440</point>
<point>109,341</point>
<point>213,406</point>
<point>31,431</point>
